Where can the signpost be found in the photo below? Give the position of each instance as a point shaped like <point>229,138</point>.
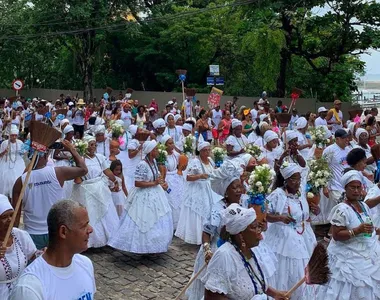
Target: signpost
<point>214,70</point>
<point>17,85</point>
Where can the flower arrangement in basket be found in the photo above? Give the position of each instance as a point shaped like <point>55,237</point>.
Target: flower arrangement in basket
<point>254,150</point>
<point>117,130</point>
<point>259,183</point>
<point>81,147</point>
<point>318,178</point>
<point>188,145</point>
<point>161,159</point>
<point>317,135</point>
<point>219,155</point>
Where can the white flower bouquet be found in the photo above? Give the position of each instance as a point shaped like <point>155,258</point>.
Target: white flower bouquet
<point>219,154</point>
<point>81,147</point>
<point>117,130</point>
<point>318,177</point>
<point>254,150</point>
<point>188,147</point>
<point>317,135</point>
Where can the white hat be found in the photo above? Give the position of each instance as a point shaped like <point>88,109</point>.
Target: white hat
<point>89,138</point>
<point>359,132</point>
<point>5,205</point>
<point>291,135</point>
<point>290,169</point>
<point>225,175</point>
<point>149,146</point>
<point>165,138</point>
<point>237,218</point>
<point>177,117</point>
<point>68,129</point>
<point>64,121</point>
<point>350,176</point>
<point>235,123</point>
<point>14,130</point>
<point>100,129</point>
<point>71,103</point>
<point>301,123</point>
<point>322,109</point>
<point>187,127</point>
<point>203,145</point>
<point>263,117</point>
<point>270,135</point>
<point>159,123</point>
<point>151,109</point>
<point>170,102</point>
<point>167,117</point>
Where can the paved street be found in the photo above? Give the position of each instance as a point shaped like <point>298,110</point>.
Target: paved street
<point>122,275</point>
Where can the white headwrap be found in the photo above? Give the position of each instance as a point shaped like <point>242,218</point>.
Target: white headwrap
<point>270,135</point>
<point>263,117</point>
<point>68,129</point>
<point>4,204</point>
<point>89,138</point>
<point>187,127</point>
<point>351,127</point>
<point>291,135</point>
<point>225,175</point>
<point>289,170</point>
<point>148,147</point>
<point>350,176</point>
<point>14,130</point>
<point>165,138</point>
<point>301,123</point>
<point>235,123</point>
<point>177,117</point>
<point>159,123</point>
<point>133,129</point>
<point>263,123</point>
<point>120,122</point>
<point>237,218</point>
<point>243,159</point>
<point>167,117</point>
<point>100,129</point>
<point>63,122</point>
<point>359,131</point>
<point>203,145</point>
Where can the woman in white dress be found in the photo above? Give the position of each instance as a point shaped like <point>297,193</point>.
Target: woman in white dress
<point>226,182</point>
<point>92,191</point>
<point>304,144</point>
<point>362,138</point>
<point>354,251</point>
<point>234,272</point>
<point>19,250</point>
<point>357,160</point>
<point>199,197</point>
<point>147,226</point>
<point>175,182</point>
<point>135,156</point>
<point>12,164</point>
<point>289,235</point>
<point>236,142</point>
<point>64,159</point>
<point>271,151</point>
<point>175,132</point>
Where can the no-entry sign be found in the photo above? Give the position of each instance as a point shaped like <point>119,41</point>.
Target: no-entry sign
<point>17,84</point>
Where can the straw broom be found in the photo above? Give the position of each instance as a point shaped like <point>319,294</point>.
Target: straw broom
<point>316,271</point>
<point>42,136</point>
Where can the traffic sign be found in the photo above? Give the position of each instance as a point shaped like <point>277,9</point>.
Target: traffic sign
<point>17,84</point>
<point>219,80</point>
<point>214,70</point>
<point>210,81</point>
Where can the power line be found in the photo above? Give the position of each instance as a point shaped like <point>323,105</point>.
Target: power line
<point>147,20</point>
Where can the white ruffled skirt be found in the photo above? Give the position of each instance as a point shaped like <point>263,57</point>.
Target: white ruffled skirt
<point>147,226</point>
<point>9,173</point>
<point>176,185</point>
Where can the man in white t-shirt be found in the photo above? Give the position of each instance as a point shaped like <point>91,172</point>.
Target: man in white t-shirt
<point>293,119</point>
<point>321,120</point>
<point>188,106</point>
<point>44,189</point>
<point>255,111</point>
<point>61,273</point>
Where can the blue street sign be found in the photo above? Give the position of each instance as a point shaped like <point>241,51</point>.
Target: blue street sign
<point>219,80</point>
<point>210,80</point>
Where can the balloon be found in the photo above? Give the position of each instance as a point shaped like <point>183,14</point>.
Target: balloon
<point>106,96</point>
<point>60,117</point>
<point>182,77</point>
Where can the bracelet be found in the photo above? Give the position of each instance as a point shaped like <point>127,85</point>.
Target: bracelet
<point>351,232</point>
<point>206,247</point>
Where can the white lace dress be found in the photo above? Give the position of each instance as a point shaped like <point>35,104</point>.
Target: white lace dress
<point>355,263</point>
<point>130,167</point>
<point>226,274</point>
<point>198,201</point>
<point>176,185</point>
<point>96,196</point>
<point>12,166</point>
<point>374,192</point>
<point>196,290</point>
<point>292,244</point>
<point>147,226</point>
<point>68,185</point>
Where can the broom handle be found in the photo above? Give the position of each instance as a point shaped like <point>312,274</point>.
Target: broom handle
<point>190,282</point>
<point>299,283</point>
<point>18,204</point>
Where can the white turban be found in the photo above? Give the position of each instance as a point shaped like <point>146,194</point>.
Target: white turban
<point>167,117</point>
<point>187,127</point>
<point>263,123</point>
<point>237,218</point>
<point>243,159</point>
<point>159,123</point>
<point>165,138</point>
<point>263,117</point>
<point>225,175</point>
<point>359,132</point>
<point>133,129</point>
<point>301,123</point>
<point>4,204</point>
<point>100,129</point>
<point>120,122</point>
<point>89,138</point>
<point>68,129</point>
<point>270,135</point>
<point>289,170</point>
<point>291,135</point>
<point>203,145</point>
<point>14,130</point>
<point>177,117</point>
<point>148,147</point>
<point>350,176</point>
<point>63,122</point>
<point>351,127</point>
<point>235,123</point>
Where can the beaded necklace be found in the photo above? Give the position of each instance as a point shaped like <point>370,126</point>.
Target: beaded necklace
<point>237,139</point>
<point>251,272</point>
<point>155,171</point>
<point>174,160</point>
<point>10,154</point>
<point>356,211</point>
<point>175,133</point>
<point>303,215</point>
